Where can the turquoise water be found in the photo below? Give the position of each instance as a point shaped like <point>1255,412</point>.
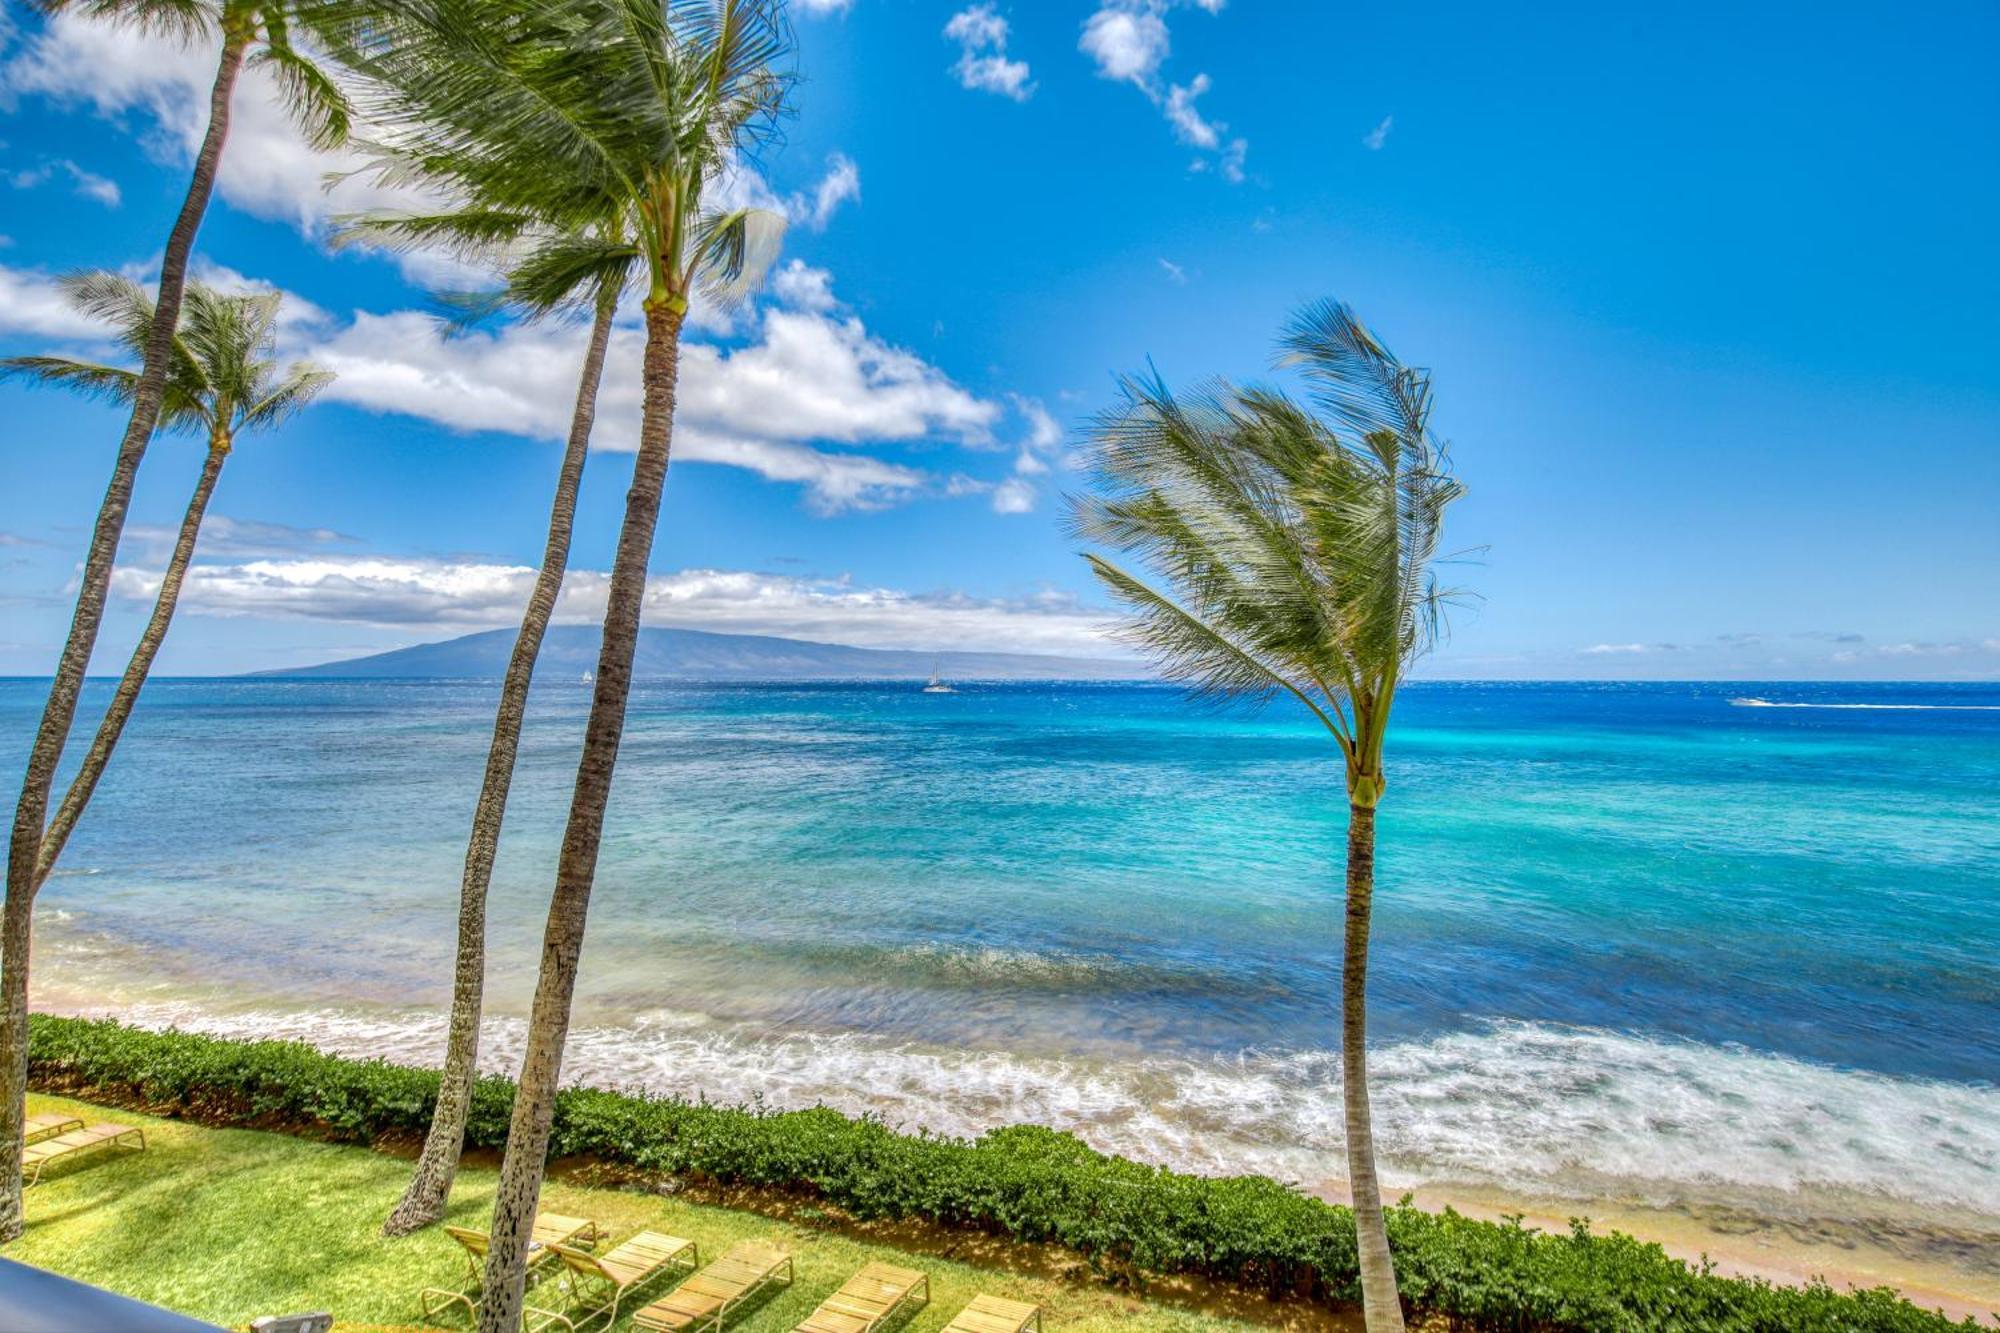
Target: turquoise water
<point>1632,939</point>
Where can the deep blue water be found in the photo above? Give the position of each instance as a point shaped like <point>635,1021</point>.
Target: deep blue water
<point>1105,875</point>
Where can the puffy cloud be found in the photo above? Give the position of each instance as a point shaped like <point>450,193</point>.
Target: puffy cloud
<point>842,182</point>
<point>1128,41</point>
<point>983,65</point>
<point>268,170</point>
<point>812,374</point>
<point>1015,495</point>
<point>796,283</point>
<point>459,596</point>
<point>32,303</point>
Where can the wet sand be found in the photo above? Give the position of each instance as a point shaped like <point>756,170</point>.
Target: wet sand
<point>1952,1265</point>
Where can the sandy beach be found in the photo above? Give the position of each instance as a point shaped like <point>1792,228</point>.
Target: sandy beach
<point>1951,1266</point>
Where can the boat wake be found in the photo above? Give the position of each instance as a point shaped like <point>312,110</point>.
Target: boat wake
<point>1887,708</point>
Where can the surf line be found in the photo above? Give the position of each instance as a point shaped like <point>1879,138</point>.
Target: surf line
<point>1921,708</point>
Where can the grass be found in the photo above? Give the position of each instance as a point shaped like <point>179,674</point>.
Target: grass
<point>230,1224</point>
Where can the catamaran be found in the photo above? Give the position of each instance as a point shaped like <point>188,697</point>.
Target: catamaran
<point>937,685</point>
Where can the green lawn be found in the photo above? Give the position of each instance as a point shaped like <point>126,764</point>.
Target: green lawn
<point>230,1224</point>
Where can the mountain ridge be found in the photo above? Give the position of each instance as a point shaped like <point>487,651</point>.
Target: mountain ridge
<point>671,653</point>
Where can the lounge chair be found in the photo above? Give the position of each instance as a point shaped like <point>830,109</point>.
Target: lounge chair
<point>550,1229</point>
<point>995,1314</point>
<point>866,1300</point>
<point>607,1279</point>
<point>710,1296</point>
<point>36,1157</point>
<point>49,1124</point>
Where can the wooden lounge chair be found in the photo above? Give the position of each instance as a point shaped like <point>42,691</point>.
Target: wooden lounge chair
<point>36,1157</point>
<point>550,1229</point>
<point>866,1300</point>
<point>609,1278</point>
<point>995,1314</point>
<point>710,1296</point>
<point>49,1124</point>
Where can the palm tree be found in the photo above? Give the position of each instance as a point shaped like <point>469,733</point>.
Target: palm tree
<point>254,31</point>
<point>1298,550</point>
<point>645,105</point>
<point>222,383</point>
<point>549,273</point>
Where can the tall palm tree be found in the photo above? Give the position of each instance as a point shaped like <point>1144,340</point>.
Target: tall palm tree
<point>221,383</point>
<point>549,272</point>
<point>253,31</point>
<point>646,104</point>
<point>1297,552</point>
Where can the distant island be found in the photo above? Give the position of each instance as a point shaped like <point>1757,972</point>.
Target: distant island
<point>691,654</point>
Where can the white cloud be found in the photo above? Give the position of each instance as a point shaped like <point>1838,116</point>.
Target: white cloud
<point>1128,41</point>
<point>1044,432</point>
<point>87,183</point>
<point>810,375</point>
<point>818,8</point>
<point>458,596</point>
<point>1607,649</point>
<point>842,182</point>
<point>1014,496</point>
<point>983,65</point>
<point>267,169</point>
<point>798,284</point>
<point>1378,136</point>
<point>31,303</point>
<point>222,535</point>
<point>1175,273</point>
<point>1180,111</point>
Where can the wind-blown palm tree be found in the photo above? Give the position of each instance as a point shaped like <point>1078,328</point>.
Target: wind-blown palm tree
<point>549,273</point>
<point>221,383</point>
<point>1296,551</point>
<point>648,105</point>
<point>252,31</point>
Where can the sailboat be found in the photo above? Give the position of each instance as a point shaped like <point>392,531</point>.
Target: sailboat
<point>937,685</point>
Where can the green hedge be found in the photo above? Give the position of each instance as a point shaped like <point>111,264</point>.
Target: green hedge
<point>1028,1183</point>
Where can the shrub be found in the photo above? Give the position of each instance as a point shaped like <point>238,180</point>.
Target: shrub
<point>1027,1183</point>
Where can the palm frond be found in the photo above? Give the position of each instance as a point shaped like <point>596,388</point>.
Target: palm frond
<point>734,252</point>
<point>302,383</point>
<point>1299,559</point>
<point>313,100</point>
<point>183,21</point>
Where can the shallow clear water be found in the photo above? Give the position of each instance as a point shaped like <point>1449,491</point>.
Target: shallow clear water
<point>1630,938</point>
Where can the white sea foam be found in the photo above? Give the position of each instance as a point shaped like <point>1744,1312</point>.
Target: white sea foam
<point>1889,708</point>
<point>1522,1106</point>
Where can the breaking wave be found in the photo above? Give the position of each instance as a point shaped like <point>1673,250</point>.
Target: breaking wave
<point>1534,1107</point>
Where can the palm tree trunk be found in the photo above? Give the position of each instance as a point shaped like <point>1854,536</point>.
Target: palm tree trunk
<point>24,847</point>
<point>126,696</point>
<point>548,1021</point>
<point>423,1202</point>
<point>1382,1308</point>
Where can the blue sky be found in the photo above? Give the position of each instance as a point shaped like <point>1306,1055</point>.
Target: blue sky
<point>1709,294</point>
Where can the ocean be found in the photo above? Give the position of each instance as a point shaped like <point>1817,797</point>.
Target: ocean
<point>1687,944</point>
